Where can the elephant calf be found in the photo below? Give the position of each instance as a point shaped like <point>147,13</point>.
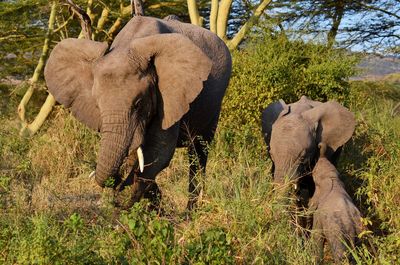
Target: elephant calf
<point>336,219</point>
<point>292,133</point>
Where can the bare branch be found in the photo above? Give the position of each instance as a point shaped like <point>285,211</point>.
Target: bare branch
<point>232,44</point>
<point>33,82</point>
<point>378,9</point>
<point>84,18</point>
<point>137,8</point>
<point>60,27</point>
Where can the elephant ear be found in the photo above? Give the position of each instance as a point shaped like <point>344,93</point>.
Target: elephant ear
<point>181,67</point>
<point>310,102</point>
<point>304,104</point>
<point>270,115</point>
<point>69,78</point>
<point>335,123</point>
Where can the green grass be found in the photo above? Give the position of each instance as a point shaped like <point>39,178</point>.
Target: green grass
<point>51,213</point>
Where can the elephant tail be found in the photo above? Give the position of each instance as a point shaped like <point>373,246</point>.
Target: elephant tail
<point>322,149</point>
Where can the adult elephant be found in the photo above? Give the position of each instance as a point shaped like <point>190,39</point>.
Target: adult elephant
<point>157,87</point>
<point>292,133</point>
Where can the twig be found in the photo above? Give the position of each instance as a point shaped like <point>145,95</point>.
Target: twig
<point>84,18</point>
<point>137,8</point>
<point>131,237</point>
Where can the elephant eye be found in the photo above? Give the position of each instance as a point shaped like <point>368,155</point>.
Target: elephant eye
<point>137,103</point>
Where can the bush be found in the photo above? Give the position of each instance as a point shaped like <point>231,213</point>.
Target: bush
<point>212,247</point>
<point>152,237</point>
<point>273,68</point>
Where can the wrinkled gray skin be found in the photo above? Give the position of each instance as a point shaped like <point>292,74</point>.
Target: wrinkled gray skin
<point>292,133</point>
<point>158,86</point>
<point>336,219</point>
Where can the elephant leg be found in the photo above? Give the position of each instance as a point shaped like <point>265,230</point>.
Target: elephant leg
<point>158,150</point>
<point>305,191</point>
<point>318,250</point>
<point>198,153</point>
<point>318,240</point>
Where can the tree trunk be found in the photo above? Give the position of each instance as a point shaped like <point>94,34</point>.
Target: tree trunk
<point>195,18</point>
<point>37,72</point>
<point>214,16</point>
<point>237,39</point>
<point>222,20</point>
<point>32,128</point>
<point>336,20</point>
<point>219,16</point>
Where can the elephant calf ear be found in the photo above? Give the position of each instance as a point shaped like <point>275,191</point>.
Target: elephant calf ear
<point>269,116</point>
<point>181,67</point>
<point>69,78</point>
<point>336,123</point>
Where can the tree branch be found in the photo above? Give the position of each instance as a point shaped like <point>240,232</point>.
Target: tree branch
<point>214,16</point>
<point>137,8</point>
<point>38,70</point>
<point>84,19</point>
<point>222,20</point>
<point>102,20</point>
<point>233,43</point>
<point>195,18</point>
<point>378,9</point>
<point>45,110</point>
<point>39,66</point>
<point>60,27</point>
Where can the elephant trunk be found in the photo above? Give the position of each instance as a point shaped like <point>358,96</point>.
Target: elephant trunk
<point>281,173</point>
<point>116,136</point>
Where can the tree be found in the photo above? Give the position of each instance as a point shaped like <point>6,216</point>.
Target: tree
<point>219,15</point>
<point>372,24</point>
<point>101,21</point>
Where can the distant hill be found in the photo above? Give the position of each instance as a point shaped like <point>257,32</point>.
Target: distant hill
<point>377,67</point>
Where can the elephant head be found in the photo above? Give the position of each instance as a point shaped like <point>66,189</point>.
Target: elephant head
<point>119,91</point>
<point>292,133</point>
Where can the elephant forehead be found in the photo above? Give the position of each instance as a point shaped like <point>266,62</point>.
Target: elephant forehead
<point>300,107</point>
<point>115,62</point>
<point>291,126</point>
<point>324,169</point>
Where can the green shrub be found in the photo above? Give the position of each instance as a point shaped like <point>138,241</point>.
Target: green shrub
<point>152,237</point>
<point>212,247</point>
<point>273,68</point>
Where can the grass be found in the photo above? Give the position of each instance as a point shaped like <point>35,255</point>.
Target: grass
<point>52,213</point>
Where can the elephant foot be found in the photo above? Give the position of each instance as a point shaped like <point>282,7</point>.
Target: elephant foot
<point>192,204</point>
<point>154,195</point>
<point>131,192</point>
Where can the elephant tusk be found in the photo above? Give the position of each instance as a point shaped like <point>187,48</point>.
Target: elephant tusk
<point>92,174</point>
<point>141,159</point>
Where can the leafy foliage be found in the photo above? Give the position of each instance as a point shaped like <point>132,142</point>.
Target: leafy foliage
<point>152,237</point>
<point>214,246</point>
<point>273,68</point>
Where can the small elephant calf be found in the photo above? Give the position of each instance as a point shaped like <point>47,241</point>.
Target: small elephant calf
<point>336,219</point>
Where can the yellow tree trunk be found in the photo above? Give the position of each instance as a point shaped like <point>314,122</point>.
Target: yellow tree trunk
<point>214,16</point>
<point>237,39</point>
<point>28,129</point>
<point>194,13</point>
<point>101,22</point>
<point>219,19</point>
<point>223,15</point>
